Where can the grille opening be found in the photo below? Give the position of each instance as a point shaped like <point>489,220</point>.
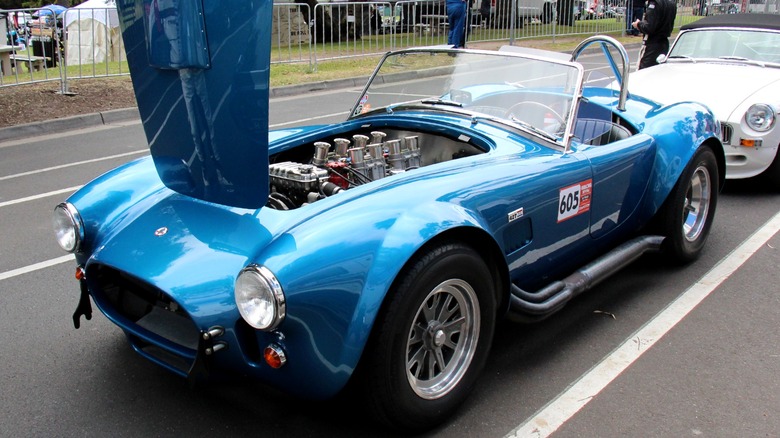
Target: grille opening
<point>725,133</point>
<point>144,305</point>
<point>180,364</point>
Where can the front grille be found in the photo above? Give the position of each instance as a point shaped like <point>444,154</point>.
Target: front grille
<point>162,328</point>
<point>725,132</point>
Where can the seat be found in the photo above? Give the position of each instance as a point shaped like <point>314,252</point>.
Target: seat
<point>598,132</point>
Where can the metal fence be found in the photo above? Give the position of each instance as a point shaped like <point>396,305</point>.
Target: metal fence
<point>47,44</point>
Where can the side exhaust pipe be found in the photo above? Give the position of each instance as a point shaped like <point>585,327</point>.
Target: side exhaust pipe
<point>538,305</point>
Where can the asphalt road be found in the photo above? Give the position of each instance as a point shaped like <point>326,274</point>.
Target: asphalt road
<point>712,374</point>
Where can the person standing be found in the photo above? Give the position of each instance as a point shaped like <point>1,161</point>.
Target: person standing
<point>656,26</point>
<point>634,11</point>
<point>456,17</point>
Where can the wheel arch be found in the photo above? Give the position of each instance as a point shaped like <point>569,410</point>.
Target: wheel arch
<point>477,239</point>
<point>480,241</point>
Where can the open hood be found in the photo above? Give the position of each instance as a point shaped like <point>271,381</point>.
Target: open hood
<point>200,70</point>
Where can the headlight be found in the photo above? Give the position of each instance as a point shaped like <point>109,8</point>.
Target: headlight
<point>260,298</point>
<point>68,228</point>
<point>760,117</point>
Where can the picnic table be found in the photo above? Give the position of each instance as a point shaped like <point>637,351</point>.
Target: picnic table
<point>5,58</point>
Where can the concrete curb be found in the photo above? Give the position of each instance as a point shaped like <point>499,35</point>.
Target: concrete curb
<point>311,87</point>
<point>54,126</point>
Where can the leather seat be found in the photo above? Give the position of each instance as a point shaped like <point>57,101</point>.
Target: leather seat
<point>597,132</point>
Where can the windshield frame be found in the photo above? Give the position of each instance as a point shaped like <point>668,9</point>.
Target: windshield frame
<point>562,142</point>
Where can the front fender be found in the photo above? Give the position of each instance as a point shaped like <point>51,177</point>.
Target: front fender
<point>332,304</point>
<point>114,199</point>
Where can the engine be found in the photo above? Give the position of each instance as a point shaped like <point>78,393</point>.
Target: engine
<point>338,167</point>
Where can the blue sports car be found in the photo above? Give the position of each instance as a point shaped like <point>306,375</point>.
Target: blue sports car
<point>465,187</point>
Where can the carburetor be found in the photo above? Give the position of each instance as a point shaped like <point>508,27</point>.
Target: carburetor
<point>369,159</point>
<point>364,161</point>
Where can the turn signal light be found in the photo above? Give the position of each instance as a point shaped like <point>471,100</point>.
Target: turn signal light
<point>749,143</point>
<point>80,273</point>
<point>274,356</point>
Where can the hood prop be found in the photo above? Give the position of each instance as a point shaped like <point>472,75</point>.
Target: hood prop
<point>527,306</point>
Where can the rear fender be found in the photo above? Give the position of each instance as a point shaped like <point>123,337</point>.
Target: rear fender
<point>680,130</point>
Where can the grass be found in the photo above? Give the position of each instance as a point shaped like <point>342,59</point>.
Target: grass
<point>292,64</point>
<point>290,74</point>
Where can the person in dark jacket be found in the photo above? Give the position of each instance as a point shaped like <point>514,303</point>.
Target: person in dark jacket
<point>656,26</point>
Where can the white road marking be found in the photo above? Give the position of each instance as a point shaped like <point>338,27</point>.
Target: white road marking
<point>63,134</point>
<point>588,386</point>
<point>39,196</point>
<point>77,163</point>
<point>308,119</point>
<point>34,267</point>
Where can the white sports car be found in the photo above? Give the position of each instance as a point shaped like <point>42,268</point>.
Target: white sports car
<point>731,63</point>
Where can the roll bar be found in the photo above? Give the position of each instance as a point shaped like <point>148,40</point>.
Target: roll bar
<point>621,74</point>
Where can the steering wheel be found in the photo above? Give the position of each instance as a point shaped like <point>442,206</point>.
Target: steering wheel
<point>536,114</point>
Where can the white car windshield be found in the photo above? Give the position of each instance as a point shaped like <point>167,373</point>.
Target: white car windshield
<point>533,93</point>
<point>727,44</point>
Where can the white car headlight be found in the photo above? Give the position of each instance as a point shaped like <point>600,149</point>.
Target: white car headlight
<point>68,228</point>
<point>260,298</point>
<point>760,117</point>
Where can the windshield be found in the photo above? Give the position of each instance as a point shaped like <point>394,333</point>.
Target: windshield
<point>749,45</point>
<point>535,94</point>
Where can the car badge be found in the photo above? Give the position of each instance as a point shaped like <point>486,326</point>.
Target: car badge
<point>160,231</point>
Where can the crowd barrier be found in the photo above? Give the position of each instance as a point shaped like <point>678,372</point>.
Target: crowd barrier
<point>48,44</point>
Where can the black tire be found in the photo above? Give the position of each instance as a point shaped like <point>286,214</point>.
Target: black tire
<point>687,215</point>
<point>403,386</point>
<point>772,173</point>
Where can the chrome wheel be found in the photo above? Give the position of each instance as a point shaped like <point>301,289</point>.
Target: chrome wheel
<point>442,339</point>
<point>697,204</point>
<point>431,340</point>
<point>686,217</point>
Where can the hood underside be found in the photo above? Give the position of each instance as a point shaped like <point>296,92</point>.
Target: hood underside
<point>200,71</point>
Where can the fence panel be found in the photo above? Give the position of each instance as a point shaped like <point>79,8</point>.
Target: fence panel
<point>93,43</point>
<point>86,42</point>
<point>291,38</point>
<point>349,29</point>
<point>32,49</point>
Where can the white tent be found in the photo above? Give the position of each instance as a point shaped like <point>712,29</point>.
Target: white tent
<point>92,33</point>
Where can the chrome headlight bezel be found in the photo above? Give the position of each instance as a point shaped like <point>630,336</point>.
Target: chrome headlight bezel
<point>260,298</point>
<point>760,117</point>
<point>68,227</point>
